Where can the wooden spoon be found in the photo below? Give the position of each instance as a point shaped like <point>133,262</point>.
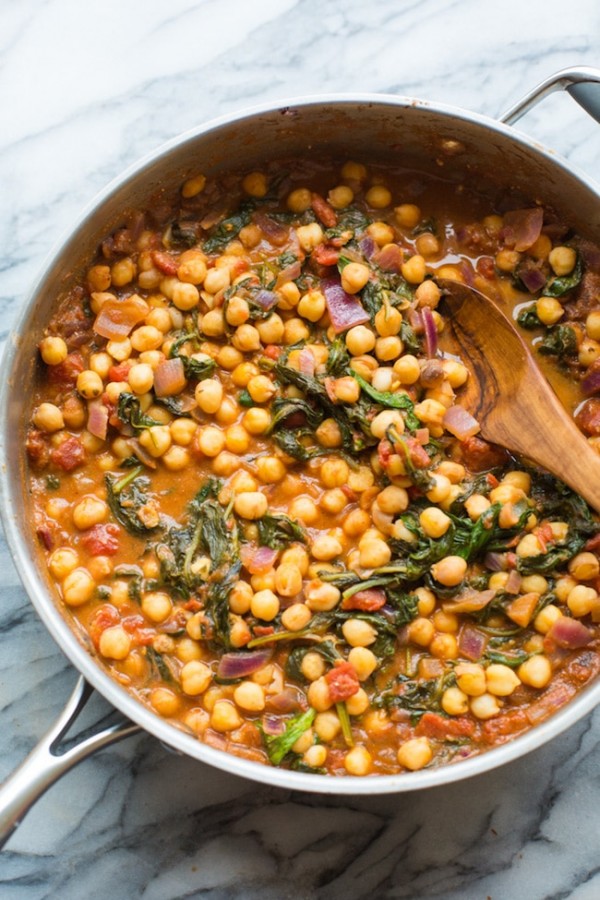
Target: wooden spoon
<point>510,398</point>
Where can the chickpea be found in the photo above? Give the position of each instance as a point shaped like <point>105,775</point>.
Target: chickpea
<point>48,417</point>
<point>341,196</point>
<point>288,580</point>
<point>122,272</point>
<point>363,661</point>
<point>328,434</point>
<point>455,702</point>
<point>592,325</point>
<point>582,600</point>
<point>165,702</point>
<point>270,469</point>
<point>196,677</point>
<point>449,571</point>
<point>249,696</point>
<point>444,646</point>
<point>176,459</point>
<point>312,666</point>
<point>334,501</point>
<point>476,505</point>
<point>415,754</point>
<point>156,440</point>
<point>146,337</point>
<point>240,598</point>
<point>356,522</point>
<point>53,350</point>
<point>507,260</point>
<point>562,260</point>
<point>347,389</point>
<point>182,431</point>
<point>471,679</point>
<point>359,340</point>
<point>312,306</point>
<point>216,280</point>
<point>584,566</point>
<point>264,605</point>
<point>388,349</point>
<point>89,384</point>
<point>188,650</point>
<point>358,760</point>
<point>78,587</point>
<point>427,245</point>
<point>224,716</point>
<point>299,200</point>
<point>246,339</point>
<point>374,553</point>
<point>271,330</point>
<point>141,378</point>
<point>309,236</point>
<point>296,617</point>
<point>536,671</point>
<point>89,511</point>
<point>193,186</point>
<point>421,631</point>
<point>315,756</point>
<point>358,633</point>
<point>320,596</point>
<point>414,270</point>
<point>326,725</point>
<point>501,681</point>
<point>157,606</point>
<point>378,197</point>
<point>549,310</point>
<point>326,547</point>
<point>115,642</point>
<point>261,388</point>
<point>255,184</point>
<point>353,171</point>
<point>388,321</point>
<point>185,296</point>
<point>213,324</point>
<point>407,215</point>
<point>354,277</point>
<point>98,278</point>
<point>318,695</point>
<point>62,561</point>
<point>210,441</point>
<point>485,706</point>
<point>256,420</point>
<point>358,703</point>
<point>192,268</point>
<point>389,418</point>
<point>434,522</point>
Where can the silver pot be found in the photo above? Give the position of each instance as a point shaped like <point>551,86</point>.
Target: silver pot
<point>377,126</point>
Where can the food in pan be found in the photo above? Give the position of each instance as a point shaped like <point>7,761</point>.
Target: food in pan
<point>259,497</point>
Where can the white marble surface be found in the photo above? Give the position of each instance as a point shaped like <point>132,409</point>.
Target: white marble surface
<point>85,89</point>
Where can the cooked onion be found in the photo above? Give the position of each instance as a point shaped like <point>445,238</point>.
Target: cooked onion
<point>460,423</point>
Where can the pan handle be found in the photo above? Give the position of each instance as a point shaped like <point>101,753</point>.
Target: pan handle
<point>581,82</point>
<point>46,764</point>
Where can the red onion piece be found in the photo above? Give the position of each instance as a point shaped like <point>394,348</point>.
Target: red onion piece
<point>169,378</point>
<point>276,232</point>
<point>285,701</point>
<point>344,309</point>
<point>590,383</point>
<point>390,258</point>
<point>532,277</point>
<point>97,423</point>
<point>469,601</point>
<point>367,246</point>
<point>460,423</point>
<point>513,582</point>
<point>570,633</point>
<point>266,299</point>
<point>290,273</point>
<point>471,642</point>
<point>496,562</point>
<point>431,335</point>
<point>117,318</point>
<point>307,361</point>
<point>522,227</point>
<point>415,320</point>
<point>242,664</point>
<point>549,702</point>
<point>257,560</point>
<point>273,725</point>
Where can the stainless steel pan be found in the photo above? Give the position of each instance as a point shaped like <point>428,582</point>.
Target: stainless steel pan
<point>365,126</point>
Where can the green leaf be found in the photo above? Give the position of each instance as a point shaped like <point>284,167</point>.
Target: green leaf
<point>126,497</point>
<point>529,319</point>
<point>130,412</point>
<point>558,287</point>
<point>293,665</point>
<point>229,228</point>
<point>277,531</point>
<point>278,746</point>
<point>244,399</point>
<point>342,712</point>
<point>560,341</point>
<point>387,399</point>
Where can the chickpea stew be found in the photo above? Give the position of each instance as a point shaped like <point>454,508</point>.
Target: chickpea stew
<point>263,507</point>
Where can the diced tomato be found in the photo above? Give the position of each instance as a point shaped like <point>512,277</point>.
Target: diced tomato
<point>45,536</point>
<point>510,723</point>
<point>65,373</point>
<point>105,617</point>
<point>271,351</point>
<point>486,267</point>
<point>101,540</point>
<point>69,454</point>
<point>343,681</point>
<point>164,262</point>
<point>544,535</point>
<point>263,630</point>
<point>384,452</point>
<point>593,545</point>
<point>479,455</point>
<point>325,255</point>
<point>433,725</point>
<point>324,211</point>
<point>347,490</point>
<point>491,480</point>
<point>239,267</point>
<point>120,372</point>
<point>37,447</point>
<point>511,560</point>
<point>418,455</point>
<point>193,605</point>
<point>369,600</point>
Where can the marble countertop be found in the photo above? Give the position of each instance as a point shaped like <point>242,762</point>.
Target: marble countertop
<point>85,89</point>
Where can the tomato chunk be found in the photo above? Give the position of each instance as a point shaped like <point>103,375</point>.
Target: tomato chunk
<point>433,725</point>
<point>369,600</point>
<point>101,540</point>
<point>69,454</point>
<point>343,682</point>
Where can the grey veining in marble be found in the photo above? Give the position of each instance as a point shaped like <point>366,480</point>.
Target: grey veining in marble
<point>85,89</point>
